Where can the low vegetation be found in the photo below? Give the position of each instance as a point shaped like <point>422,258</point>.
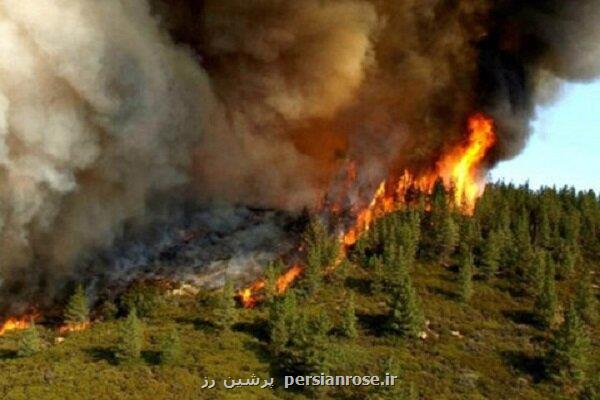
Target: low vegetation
<point>499,305</point>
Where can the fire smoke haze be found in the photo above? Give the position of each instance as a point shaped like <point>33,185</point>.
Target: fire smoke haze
<point>107,106</point>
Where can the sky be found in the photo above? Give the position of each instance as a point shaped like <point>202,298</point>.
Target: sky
<point>564,148</point>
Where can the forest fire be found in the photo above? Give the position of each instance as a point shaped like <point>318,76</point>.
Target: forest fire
<point>18,323</point>
<point>459,169</point>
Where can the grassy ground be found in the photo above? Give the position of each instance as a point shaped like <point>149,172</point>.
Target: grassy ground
<point>488,349</point>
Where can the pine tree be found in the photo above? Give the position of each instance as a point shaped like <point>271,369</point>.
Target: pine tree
<point>405,316</point>
<point>566,359</point>
<point>130,341</point>
<point>395,271</point>
<point>298,337</point>
<point>271,274</point>
<point>571,226</point>
<point>470,233</point>
<point>466,276</point>
<point>224,310</point>
<point>523,250</point>
<point>348,327</point>
<point>409,235</point>
<point>77,310</point>
<point>30,342</point>
<point>546,301</point>
<point>327,245</point>
<point>536,273</point>
<point>322,250</point>
<point>170,348</point>
<point>313,273</point>
<point>379,275</point>
<point>283,315</point>
<point>586,303</point>
<point>447,237</point>
<point>567,257</point>
<point>310,345</point>
<point>543,236</point>
<point>490,257</point>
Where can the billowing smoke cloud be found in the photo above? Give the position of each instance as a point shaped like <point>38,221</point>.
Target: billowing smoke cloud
<point>97,111</point>
<point>106,106</point>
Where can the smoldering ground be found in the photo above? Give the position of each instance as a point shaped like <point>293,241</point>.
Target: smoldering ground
<point>106,107</point>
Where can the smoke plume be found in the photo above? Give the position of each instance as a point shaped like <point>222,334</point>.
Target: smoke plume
<point>108,107</point>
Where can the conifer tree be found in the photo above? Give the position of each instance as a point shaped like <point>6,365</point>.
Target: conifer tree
<point>470,233</point>
<point>566,359</point>
<point>490,257</point>
<point>537,272</point>
<point>405,316</point>
<point>298,337</point>
<point>546,301</point>
<point>326,245</point>
<point>379,275</point>
<point>313,273</point>
<point>390,254</point>
<point>571,226</point>
<point>170,348</point>
<point>523,249</point>
<point>30,342</point>
<point>224,310</point>
<point>446,237</point>
<point>586,303</point>
<point>543,235</point>
<point>283,316</point>
<point>322,251</point>
<point>349,319</point>
<point>271,274</point>
<point>466,276</point>
<point>567,260</point>
<point>130,341</point>
<point>310,346</point>
<point>77,310</point>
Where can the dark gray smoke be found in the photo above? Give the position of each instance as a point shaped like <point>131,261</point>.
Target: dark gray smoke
<point>107,106</point>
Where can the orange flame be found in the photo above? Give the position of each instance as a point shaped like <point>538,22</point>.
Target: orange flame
<point>77,327</point>
<point>18,323</point>
<point>459,169</point>
<point>249,297</point>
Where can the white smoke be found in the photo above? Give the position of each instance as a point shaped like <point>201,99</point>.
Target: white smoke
<point>98,110</point>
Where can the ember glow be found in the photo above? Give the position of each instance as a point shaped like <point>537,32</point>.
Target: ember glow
<point>18,323</point>
<point>460,169</point>
<point>68,328</point>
